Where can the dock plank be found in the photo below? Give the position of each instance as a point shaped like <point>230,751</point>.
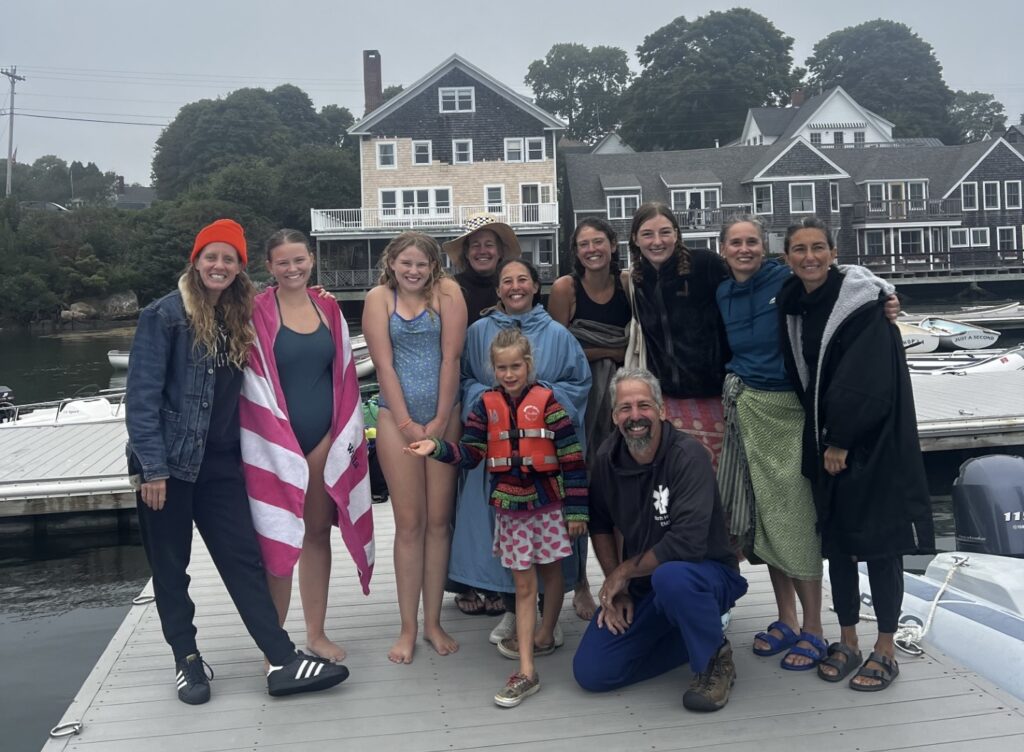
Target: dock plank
<point>128,701</point>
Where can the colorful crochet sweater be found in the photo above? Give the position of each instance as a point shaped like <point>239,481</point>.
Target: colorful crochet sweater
<point>515,491</point>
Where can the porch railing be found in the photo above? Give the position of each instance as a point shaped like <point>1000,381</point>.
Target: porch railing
<point>907,210</point>
<point>351,221</point>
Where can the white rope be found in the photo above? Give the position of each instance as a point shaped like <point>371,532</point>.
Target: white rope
<point>909,636</point>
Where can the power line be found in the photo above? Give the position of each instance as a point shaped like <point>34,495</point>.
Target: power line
<point>91,120</point>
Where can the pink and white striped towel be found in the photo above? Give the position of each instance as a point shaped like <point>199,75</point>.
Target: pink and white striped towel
<point>276,474</point>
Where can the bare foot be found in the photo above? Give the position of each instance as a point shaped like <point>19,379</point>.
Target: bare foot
<point>402,650</point>
<point>321,647</point>
<point>441,641</point>
<point>583,602</point>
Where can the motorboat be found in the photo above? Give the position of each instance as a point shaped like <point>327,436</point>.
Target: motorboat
<point>969,603</point>
<point>108,405</point>
<point>118,359</point>
<point>957,335</point>
<point>969,361</point>
<point>916,339</point>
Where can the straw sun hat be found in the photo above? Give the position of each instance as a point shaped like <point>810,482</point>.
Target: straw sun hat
<point>456,247</point>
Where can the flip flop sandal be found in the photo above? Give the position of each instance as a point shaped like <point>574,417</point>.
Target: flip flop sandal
<point>885,675</point>
<point>470,603</point>
<point>817,653</point>
<point>777,644</point>
<point>850,662</point>
<point>494,604</point>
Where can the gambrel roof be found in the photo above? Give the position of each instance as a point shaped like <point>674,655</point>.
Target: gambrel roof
<point>364,127</point>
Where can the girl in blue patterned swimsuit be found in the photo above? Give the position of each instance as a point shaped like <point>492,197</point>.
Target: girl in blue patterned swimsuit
<point>414,321</point>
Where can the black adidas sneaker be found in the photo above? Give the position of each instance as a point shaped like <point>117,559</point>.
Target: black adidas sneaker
<point>193,684</point>
<point>304,673</point>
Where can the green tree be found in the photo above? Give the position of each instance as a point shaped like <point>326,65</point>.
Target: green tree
<point>316,177</point>
<point>890,70</point>
<point>582,85</point>
<point>209,135</point>
<point>975,113</point>
<point>700,77</point>
<point>390,92</point>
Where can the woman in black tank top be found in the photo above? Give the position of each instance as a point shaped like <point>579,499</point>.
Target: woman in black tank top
<point>593,306</point>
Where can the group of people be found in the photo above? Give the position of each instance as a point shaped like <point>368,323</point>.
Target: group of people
<point>693,410</point>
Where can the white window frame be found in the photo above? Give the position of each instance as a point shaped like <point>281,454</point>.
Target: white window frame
<point>859,138</point>
<point>839,139</point>
<point>500,204</point>
<point>455,151</point>
<point>984,195</point>
<point>966,233</point>
<point>908,232</point>
<point>963,200</point>
<point>916,204</point>
<point>688,192</point>
<point>771,199</point>
<point>833,196</point>
<point>1013,238</point>
<point>813,201</point>
<point>877,205</point>
<point>867,248</point>
<point>545,256</point>
<point>433,201</point>
<point>987,243</point>
<point>815,138</point>
<point>394,155</point>
<point>621,199</point>
<point>430,154</point>
<point>456,93</point>
<point>380,200</point>
<point>533,141</point>
<point>1006,194</point>
<point>515,143</point>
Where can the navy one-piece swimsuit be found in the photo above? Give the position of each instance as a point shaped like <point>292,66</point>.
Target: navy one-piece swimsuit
<point>305,364</point>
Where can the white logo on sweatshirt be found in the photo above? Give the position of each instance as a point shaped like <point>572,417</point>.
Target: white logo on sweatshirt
<point>660,500</point>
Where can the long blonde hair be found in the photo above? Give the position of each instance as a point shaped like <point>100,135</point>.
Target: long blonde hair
<point>235,305</point>
<point>423,242</point>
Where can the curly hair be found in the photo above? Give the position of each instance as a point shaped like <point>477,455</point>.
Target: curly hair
<point>644,213</point>
<point>418,240</point>
<point>235,312</point>
<point>600,225</point>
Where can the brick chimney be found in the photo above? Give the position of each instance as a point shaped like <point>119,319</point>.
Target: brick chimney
<point>372,87</point>
<point>796,98</point>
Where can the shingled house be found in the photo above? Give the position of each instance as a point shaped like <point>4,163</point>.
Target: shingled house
<point>452,144</point>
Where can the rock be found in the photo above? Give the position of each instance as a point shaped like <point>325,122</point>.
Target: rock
<point>81,311</point>
<point>67,316</point>
<point>120,305</point>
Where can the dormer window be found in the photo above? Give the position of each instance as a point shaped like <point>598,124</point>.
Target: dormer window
<point>456,99</point>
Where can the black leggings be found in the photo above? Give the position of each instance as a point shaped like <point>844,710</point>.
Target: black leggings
<point>886,578</point>
<point>218,504</point>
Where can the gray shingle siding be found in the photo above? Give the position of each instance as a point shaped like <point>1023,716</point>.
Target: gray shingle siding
<point>1001,165</point>
<point>495,119</point>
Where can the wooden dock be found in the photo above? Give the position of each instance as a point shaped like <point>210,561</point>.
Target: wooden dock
<point>969,411</point>
<point>48,469</point>
<point>128,702</point>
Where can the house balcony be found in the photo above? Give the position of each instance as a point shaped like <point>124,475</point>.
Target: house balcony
<point>341,223</point>
<point>692,222</point>
<point>907,211</point>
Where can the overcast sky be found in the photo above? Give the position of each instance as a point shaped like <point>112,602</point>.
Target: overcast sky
<point>140,61</point>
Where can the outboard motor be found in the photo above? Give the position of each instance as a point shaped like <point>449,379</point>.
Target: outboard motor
<point>988,505</point>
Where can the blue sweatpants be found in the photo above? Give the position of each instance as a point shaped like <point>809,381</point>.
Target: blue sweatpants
<point>679,621</point>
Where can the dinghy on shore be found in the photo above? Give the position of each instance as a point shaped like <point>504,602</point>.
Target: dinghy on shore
<point>916,339</point>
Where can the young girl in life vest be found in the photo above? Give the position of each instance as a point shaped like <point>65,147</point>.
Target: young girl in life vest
<point>538,491</point>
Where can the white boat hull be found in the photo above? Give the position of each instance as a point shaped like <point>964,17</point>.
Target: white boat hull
<point>118,359</point>
<point>984,636</point>
<point>916,339</point>
<point>956,335</point>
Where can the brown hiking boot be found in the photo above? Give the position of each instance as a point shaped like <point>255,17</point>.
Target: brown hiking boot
<point>710,689</point>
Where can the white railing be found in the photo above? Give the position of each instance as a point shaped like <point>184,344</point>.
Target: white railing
<point>350,221</point>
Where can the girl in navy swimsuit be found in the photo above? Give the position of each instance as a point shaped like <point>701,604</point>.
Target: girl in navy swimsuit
<point>415,325</point>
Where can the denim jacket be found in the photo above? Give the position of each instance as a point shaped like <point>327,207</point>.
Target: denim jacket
<point>170,393</point>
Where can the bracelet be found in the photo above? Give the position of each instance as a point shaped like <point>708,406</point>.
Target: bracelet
<point>404,423</point>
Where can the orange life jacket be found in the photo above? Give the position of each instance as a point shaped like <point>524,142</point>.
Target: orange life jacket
<point>530,444</point>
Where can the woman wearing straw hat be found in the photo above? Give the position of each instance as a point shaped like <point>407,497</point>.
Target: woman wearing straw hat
<point>476,253</point>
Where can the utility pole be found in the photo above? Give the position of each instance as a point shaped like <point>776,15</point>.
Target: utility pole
<point>12,74</point>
